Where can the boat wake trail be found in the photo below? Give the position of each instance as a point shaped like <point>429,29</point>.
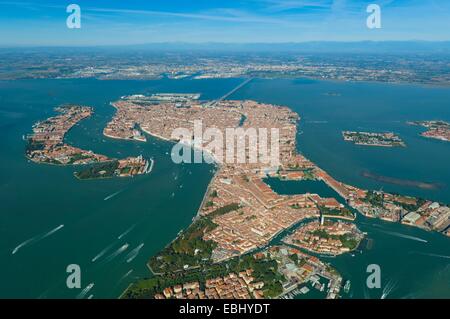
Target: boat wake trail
<point>390,286</point>
<point>52,232</point>
<point>126,232</point>
<point>108,248</point>
<point>317,122</point>
<point>104,251</point>
<point>85,291</point>
<point>113,195</point>
<point>126,275</point>
<point>431,255</point>
<point>133,254</point>
<point>404,236</point>
<point>26,242</point>
<point>117,252</point>
<point>35,239</point>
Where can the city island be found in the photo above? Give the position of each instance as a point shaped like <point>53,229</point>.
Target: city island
<point>326,237</point>
<point>46,146</point>
<point>373,139</point>
<point>439,130</point>
<point>227,251</point>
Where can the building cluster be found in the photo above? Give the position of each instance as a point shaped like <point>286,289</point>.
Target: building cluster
<point>246,229</point>
<point>407,210</point>
<point>231,286</point>
<point>295,273</point>
<point>292,175</point>
<point>46,143</point>
<point>436,129</point>
<point>431,215</point>
<point>261,213</point>
<point>373,139</point>
<point>390,207</point>
<point>124,126</point>
<point>173,113</point>
<point>304,269</point>
<point>134,111</point>
<point>247,213</point>
<point>132,166</point>
<point>325,238</point>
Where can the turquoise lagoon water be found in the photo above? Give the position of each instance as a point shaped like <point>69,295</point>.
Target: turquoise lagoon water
<point>152,209</point>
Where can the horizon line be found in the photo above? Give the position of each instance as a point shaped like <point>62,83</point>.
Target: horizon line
<point>172,43</point>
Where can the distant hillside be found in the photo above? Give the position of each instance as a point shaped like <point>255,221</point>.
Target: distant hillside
<point>373,47</point>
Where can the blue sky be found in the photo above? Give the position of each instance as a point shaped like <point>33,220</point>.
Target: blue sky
<point>121,22</point>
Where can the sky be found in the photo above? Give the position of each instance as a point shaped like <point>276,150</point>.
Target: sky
<point>126,22</point>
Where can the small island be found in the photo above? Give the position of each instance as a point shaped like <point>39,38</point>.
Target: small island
<point>388,139</point>
<point>126,167</point>
<point>439,130</point>
<point>46,146</point>
<point>326,237</point>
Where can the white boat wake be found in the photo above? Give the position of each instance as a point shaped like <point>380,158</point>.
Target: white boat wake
<point>85,291</point>
<point>126,275</point>
<point>133,254</point>
<point>37,238</point>
<point>404,236</point>
<point>104,251</point>
<point>431,255</point>
<point>113,195</point>
<point>52,232</point>
<point>26,242</point>
<point>117,252</point>
<point>126,232</point>
<point>390,286</point>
